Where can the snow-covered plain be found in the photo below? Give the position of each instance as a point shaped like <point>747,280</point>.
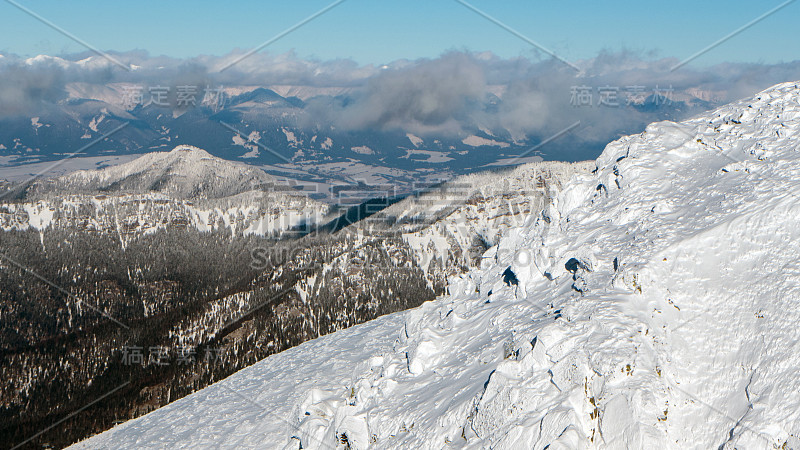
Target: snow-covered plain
<point>10,170</point>
<point>653,304</point>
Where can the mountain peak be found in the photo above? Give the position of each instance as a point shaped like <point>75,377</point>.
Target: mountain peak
<point>183,172</point>
<point>190,150</point>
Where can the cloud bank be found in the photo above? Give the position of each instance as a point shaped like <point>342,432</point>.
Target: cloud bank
<point>455,94</point>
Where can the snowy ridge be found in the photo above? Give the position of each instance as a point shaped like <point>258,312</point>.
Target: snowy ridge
<point>446,221</point>
<point>258,213</point>
<point>184,172</point>
<point>653,304</point>
<point>186,187</point>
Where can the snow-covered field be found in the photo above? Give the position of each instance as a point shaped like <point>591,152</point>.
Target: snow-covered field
<point>23,172</point>
<point>652,304</point>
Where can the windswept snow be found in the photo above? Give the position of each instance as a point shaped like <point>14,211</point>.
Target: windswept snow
<point>653,304</point>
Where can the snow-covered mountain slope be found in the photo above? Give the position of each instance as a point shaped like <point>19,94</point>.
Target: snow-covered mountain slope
<point>184,172</point>
<point>654,304</point>
<point>447,222</point>
<point>254,212</point>
<point>186,187</point>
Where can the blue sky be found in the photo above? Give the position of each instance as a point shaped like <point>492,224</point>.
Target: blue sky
<point>380,31</point>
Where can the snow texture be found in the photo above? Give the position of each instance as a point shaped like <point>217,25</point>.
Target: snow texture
<point>656,306</point>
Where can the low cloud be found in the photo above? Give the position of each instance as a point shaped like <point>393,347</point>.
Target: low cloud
<point>22,90</point>
<point>455,94</point>
<point>427,96</point>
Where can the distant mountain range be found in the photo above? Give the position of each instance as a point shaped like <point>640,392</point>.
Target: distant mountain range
<point>282,135</point>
